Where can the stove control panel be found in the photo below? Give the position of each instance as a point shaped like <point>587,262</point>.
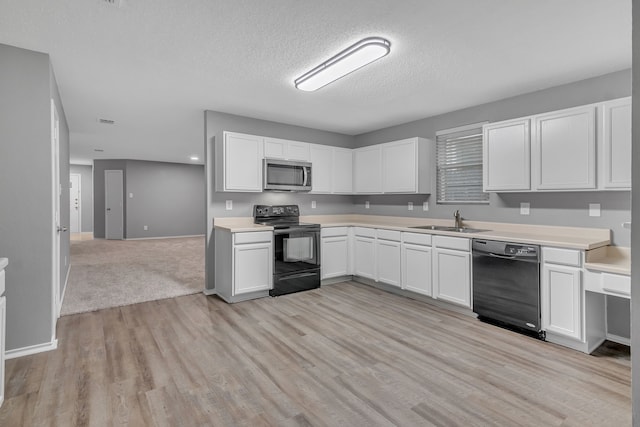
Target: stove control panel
<point>275,211</point>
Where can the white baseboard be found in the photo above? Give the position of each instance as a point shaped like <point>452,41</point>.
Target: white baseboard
<point>209,292</point>
<point>618,339</point>
<point>32,349</point>
<point>165,237</point>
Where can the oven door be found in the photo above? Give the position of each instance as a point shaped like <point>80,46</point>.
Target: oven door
<point>296,250</point>
<point>285,175</point>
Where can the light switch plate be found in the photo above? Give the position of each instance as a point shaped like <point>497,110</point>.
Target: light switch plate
<point>410,206</point>
<point>146,227</point>
<point>229,205</point>
<point>366,204</point>
<point>131,195</point>
<point>594,209</point>
<point>525,208</point>
<point>313,204</point>
<point>425,206</point>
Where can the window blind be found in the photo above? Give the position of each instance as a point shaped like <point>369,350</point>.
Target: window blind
<point>459,165</point>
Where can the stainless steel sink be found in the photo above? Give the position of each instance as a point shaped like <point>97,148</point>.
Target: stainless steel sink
<point>445,228</point>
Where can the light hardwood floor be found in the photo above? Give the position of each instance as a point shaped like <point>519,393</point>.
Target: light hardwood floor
<point>342,355</point>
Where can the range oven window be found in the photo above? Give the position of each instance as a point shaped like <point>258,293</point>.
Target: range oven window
<point>295,250</point>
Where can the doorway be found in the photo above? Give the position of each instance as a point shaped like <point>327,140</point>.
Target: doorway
<point>75,194</point>
<point>113,191</point>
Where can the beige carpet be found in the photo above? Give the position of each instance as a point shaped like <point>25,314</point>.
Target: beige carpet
<point>112,273</point>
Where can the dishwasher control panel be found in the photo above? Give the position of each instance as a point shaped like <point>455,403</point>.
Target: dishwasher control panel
<point>520,250</point>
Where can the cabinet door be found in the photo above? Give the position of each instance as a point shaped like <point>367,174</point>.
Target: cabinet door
<point>275,148</point>
<point>506,150</point>
<point>367,166</point>
<point>364,257</point>
<point>388,253</point>
<point>298,151</point>
<point>399,167</point>
<point>452,276</point>
<point>416,268</point>
<point>252,267</point>
<point>242,162</point>
<point>321,173</point>
<point>335,257</point>
<point>565,148</point>
<point>617,144</point>
<point>561,295</point>
<point>342,171</point>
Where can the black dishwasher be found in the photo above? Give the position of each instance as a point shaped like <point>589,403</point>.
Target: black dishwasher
<point>506,284</point>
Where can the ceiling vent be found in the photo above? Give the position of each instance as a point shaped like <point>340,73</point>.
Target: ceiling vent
<point>98,150</point>
<point>107,121</point>
<point>116,3</point>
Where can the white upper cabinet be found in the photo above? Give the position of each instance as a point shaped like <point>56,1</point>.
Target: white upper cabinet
<point>507,156</point>
<point>242,167</point>
<point>616,144</point>
<point>276,148</point>
<point>321,157</point>
<point>342,171</point>
<point>405,166</point>
<point>367,167</point>
<point>564,154</point>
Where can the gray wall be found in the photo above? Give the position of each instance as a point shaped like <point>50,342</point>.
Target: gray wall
<point>569,209</point>
<point>215,124</point>
<point>86,196</point>
<point>167,197</point>
<point>635,226</point>
<point>99,166</point>
<point>27,86</point>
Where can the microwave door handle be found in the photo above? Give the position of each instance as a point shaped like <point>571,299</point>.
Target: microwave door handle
<point>304,175</point>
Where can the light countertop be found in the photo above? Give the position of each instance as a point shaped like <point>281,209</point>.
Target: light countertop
<point>565,237</point>
<point>3,263</point>
<point>610,259</point>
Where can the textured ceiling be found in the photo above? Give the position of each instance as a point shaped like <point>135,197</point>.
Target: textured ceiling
<point>154,66</point>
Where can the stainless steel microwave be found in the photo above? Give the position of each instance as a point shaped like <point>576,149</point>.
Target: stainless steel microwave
<point>286,175</point>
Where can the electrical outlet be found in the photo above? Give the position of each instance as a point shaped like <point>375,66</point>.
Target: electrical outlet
<point>146,227</point>
<point>131,195</point>
<point>366,204</point>
<point>425,206</point>
<point>313,204</point>
<point>229,205</point>
<point>410,206</point>
<point>594,209</point>
<point>525,208</point>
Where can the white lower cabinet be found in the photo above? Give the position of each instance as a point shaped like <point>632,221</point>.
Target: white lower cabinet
<point>3,330</point>
<point>335,252</point>
<point>561,305</point>
<point>388,254</point>
<point>243,264</point>
<point>452,270</point>
<point>364,253</point>
<point>416,263</point>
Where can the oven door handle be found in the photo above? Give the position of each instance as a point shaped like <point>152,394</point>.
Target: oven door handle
<point>491,254</point>
<point>295,229</point>
<point>299,275</point>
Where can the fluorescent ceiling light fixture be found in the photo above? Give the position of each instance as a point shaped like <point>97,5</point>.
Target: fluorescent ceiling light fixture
<point>194,158</point>
<point>356,56</point>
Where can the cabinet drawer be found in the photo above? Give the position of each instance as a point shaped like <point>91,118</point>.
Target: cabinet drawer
<point>1,282</point>
<point>252,237</point>
<point>334,231</point>
<point>457,243</point>
<point>616,284</point>
<point>561,256</point>
<point>417,238</point>
<point>388,235</point>
<point>365,232</point>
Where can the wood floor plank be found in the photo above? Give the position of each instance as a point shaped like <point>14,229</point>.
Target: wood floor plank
<point>343,355</point>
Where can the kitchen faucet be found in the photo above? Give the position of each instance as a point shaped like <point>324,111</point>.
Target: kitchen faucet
<point>458,219</point>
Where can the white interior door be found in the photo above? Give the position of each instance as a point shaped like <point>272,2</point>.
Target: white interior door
<point>113,216</point>
<point>74,201</point>
<point>56,194</point>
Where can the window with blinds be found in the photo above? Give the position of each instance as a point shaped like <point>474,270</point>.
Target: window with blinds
<point>459,165</point>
